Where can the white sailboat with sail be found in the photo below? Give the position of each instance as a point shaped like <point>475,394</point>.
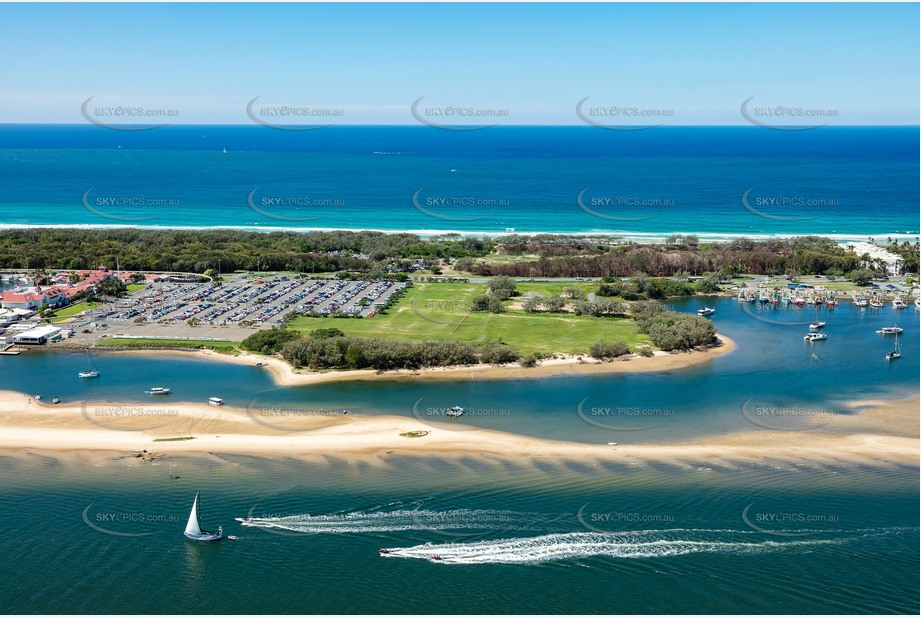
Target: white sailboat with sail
<point>193,530</point>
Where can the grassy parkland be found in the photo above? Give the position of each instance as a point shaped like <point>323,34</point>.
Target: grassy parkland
<point>442,311</point>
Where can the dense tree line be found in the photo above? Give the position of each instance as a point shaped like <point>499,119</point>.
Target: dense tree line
<point>377,252</point>
<point>643,287</point>
<point>200,250</point>
<point>270,341</point>
<point>793,256</point>
<point>387,354</point>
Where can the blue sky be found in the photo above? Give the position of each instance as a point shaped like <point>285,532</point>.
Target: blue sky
<point>535,60</point>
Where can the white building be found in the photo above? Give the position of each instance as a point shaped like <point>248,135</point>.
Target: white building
<point>37,336</point>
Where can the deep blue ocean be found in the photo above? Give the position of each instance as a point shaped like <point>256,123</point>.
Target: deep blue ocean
<point>717,182</point>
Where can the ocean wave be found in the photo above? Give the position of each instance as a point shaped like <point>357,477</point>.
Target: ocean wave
<point>639,237</point>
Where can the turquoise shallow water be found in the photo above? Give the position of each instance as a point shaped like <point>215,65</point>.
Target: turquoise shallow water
<point>772,367</point>
<point>523,536</point>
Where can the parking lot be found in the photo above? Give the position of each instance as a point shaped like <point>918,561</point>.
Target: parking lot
<point>250,303</point>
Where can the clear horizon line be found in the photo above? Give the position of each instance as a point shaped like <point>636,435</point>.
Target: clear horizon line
<point>420,125</point>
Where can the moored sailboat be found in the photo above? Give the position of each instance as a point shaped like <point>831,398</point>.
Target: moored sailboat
<point>91,370</point>
<point>896,353</point>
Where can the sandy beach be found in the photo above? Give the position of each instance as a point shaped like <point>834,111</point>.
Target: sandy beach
<point>286,375</point>
<point>882,431</point>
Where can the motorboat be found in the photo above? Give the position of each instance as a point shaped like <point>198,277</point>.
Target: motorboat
<point>890,330</point>
<point>455,411</point>
<point>158,390</point>
<point>215,401</point>
<point>706,311</point>
<point>815,337</point>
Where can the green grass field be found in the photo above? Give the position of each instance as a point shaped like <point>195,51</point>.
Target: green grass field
<point>227,347</point>
<point>430,311</point>
<point>72,310</point>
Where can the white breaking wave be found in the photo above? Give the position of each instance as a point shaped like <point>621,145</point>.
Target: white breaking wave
<point>575,545</point>
<point>639,237</point>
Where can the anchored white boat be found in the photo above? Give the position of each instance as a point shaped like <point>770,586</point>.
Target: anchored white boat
<point>815,337</point>
<point>890,330</point>
<point>193,530</point>
<point>91,370</point>
<point>816,326</point>
<point>158,390</point>
<point>215,401</point>
<point>706,311</point>
<point>898,303</point>
<point>896,353</point>
<point>455,411</point>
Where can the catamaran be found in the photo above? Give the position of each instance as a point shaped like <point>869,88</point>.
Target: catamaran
<point>193,530</point>
<point>91,370</point>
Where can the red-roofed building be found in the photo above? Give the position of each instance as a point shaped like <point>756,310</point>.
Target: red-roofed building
<point>32,298</point>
